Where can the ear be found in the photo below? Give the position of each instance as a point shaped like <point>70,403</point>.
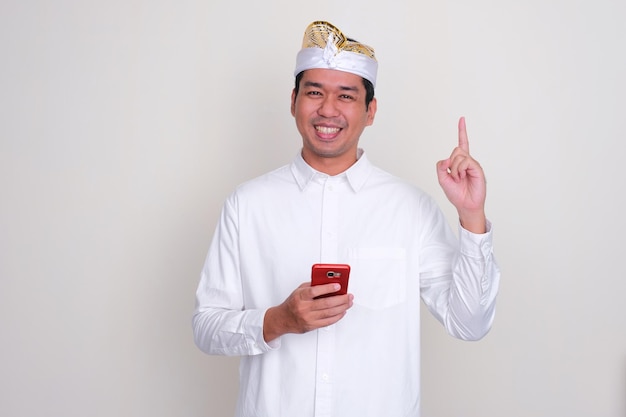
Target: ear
<point>293,102</point>
<point>371,112</point>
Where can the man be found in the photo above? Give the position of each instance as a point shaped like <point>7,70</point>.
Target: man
<point>352,355</point>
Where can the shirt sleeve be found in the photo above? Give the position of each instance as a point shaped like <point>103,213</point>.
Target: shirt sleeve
<point>459,281</point>
<point>221,324</point>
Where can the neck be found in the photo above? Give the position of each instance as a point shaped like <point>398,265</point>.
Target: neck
<point>329,165</point>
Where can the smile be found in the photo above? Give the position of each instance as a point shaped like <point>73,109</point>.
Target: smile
<point>327,130</point>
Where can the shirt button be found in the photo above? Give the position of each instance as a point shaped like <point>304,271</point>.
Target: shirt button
<point>325,377</point>
<point>330,188</point>
<point>486,248</point>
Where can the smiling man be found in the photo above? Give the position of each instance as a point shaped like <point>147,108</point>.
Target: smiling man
<point>356,354</point>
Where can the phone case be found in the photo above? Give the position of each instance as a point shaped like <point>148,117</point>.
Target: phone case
<point>329,273</point>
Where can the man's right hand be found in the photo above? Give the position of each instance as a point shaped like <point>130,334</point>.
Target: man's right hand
<point>301,312</point>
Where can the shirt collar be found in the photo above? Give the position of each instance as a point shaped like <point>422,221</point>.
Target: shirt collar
<point>356,175</point>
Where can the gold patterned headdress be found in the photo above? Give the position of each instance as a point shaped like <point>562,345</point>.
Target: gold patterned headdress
<point>325,46</point>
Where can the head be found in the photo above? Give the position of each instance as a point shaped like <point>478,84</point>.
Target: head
<point>333,98</point>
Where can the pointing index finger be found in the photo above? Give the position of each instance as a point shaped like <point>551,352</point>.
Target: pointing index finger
<point>463,142</point>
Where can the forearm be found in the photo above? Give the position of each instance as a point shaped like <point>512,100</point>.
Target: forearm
<point>229,332</point>
<point>472,296</point>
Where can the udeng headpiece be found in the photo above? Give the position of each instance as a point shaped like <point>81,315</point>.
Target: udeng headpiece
<point>325,46</point>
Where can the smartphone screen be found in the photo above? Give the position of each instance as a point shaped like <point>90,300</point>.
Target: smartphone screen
<point>331,273</point>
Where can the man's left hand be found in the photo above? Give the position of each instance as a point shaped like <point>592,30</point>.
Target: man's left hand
<point>463,181</point>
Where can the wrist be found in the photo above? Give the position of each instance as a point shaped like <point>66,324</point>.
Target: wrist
<point>271,324</point>
<point>474,222</point>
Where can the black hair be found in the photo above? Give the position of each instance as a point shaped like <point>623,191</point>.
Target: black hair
<point>369,88</point>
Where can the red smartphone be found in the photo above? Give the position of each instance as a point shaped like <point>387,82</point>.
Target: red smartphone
<point>331,273</point>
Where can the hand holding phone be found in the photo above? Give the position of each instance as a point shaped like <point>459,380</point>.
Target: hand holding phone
<point>329,274</point>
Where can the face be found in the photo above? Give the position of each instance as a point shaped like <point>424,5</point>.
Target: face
<point>330,115</point>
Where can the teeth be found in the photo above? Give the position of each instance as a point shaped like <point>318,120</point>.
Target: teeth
<point>327,130</point>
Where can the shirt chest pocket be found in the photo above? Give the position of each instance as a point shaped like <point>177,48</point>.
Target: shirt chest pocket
<point>378,276</point>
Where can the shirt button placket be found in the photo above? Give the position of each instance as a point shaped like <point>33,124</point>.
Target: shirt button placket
<point>326,336</point>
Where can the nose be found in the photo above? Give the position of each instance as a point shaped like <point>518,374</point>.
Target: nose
<point>327,108</point>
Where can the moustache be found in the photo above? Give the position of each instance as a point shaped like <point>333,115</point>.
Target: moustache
<point>329,121</point>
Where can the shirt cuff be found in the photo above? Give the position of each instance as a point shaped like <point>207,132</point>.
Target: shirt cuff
<point>476,245</point>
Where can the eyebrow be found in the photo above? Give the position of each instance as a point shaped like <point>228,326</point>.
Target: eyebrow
<point>319,85</point>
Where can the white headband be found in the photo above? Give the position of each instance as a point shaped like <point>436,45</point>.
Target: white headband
<point>325,46</point>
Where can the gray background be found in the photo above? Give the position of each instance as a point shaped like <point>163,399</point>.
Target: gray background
<point>124,125</point>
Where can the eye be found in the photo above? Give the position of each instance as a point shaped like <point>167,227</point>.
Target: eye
<point>313,93</point>
<point>346,97</point>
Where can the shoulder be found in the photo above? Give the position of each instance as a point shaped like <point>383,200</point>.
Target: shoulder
<point>381,179</point>
<point>275,181</point>
<point>391,196</point>
<point>382,186</point>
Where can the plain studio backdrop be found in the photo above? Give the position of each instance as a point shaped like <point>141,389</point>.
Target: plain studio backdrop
<point>125,124</point>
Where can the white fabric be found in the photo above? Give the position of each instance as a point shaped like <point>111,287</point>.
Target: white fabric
<point>355,63</point>
<point>273,228</point>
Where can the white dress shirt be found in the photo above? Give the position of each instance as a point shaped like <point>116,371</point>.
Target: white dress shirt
<point>399,246</point>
